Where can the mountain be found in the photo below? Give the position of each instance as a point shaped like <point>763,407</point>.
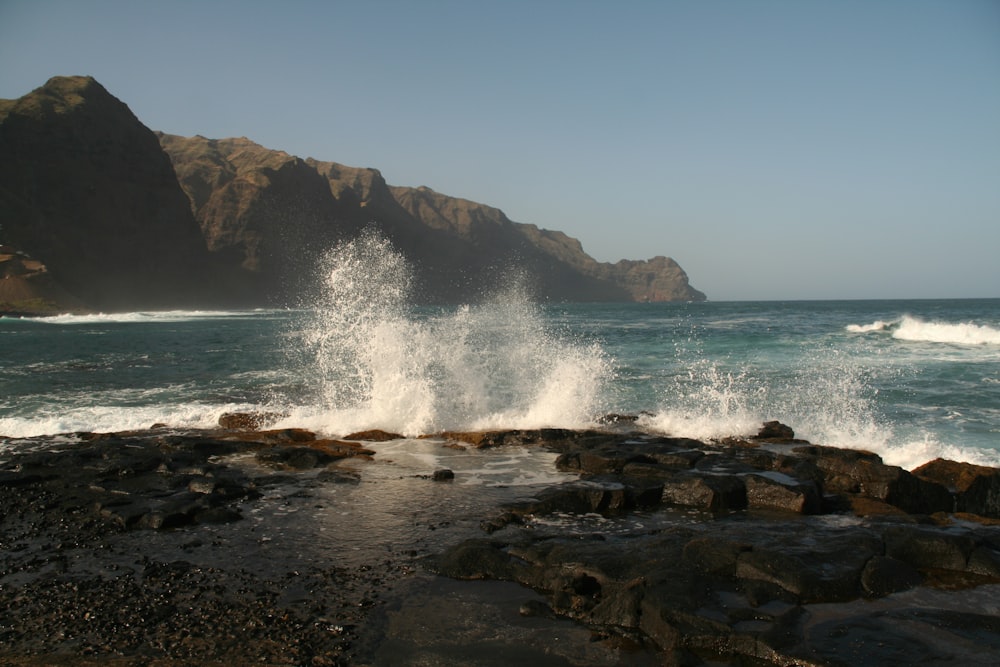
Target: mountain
<point>115,216</point>
<point>86,190</point>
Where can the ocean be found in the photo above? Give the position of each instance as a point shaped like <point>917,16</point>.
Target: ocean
<point>910,380</point>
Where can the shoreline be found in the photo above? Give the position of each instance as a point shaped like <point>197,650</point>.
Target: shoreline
<point>280,547</point>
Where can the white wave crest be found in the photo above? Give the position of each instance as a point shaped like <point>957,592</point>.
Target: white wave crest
<point>139,316</point>
<point>964,333</point>
<point>877,325</point>
<point>913,453</point>
<point>915,329</point>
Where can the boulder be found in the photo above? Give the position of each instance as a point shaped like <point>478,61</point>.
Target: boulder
<point>249,421</point>
<point>883,576</point>
<point>374,435</point>
<point>776,491</point>
<point>819,567</point>
<point>443,475</point>
<point>977,487</point>
<point>774,430</point>
<point>929,548</point>
<point>592,462</point>
<point>849,471</point>
<point>711,493</point>
<point>715,554</point>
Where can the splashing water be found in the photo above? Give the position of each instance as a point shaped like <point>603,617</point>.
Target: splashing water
<point>909,380</point>
<point>833,405</point>
<point>378,362</point>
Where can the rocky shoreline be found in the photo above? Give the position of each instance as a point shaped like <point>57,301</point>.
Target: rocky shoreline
<point>280,547</point>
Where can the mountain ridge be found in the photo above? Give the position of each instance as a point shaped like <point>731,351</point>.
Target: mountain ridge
<point>173,220</point>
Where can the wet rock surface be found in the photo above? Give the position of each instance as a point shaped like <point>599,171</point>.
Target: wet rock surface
<point>103,545</point>
<point>770,536</point>
<point>280,547</point>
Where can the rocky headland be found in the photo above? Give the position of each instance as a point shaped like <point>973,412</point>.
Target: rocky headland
<point>124,218</point>
<point>250,544</point>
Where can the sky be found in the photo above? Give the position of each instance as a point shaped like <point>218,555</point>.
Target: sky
<point>777,149</point>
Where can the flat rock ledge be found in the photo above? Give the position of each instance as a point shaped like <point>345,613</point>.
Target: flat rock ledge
<point>781,553</point>
<point>764,550</point>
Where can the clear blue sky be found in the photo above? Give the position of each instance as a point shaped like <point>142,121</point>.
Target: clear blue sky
<point>776,149</point>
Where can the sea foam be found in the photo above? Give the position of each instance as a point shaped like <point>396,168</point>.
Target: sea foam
<point>144,316</point>
<point>113,418</point>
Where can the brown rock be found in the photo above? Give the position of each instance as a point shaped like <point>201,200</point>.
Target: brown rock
<point>780,492</point>
<point>869,507</point>
<point>712,493</point>
<point>248,421</point>
<point>312,454</point>
<point>977,487</point>
<point>775,430</point>
<point>856,472</point>
<point>374,435</point>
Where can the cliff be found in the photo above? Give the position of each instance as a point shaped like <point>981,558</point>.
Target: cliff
<point>86,190</point>
<point>123,217</point>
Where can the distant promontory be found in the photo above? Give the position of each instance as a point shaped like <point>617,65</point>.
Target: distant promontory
<point>98,212</point>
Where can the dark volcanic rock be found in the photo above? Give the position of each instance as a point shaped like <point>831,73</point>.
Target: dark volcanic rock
<point>248,421</point>
<point>718,553</point>
<point>84,184</point>
<point>374,435</point>
<point>737,586</point>
<point>775,430</point>
<point>883,576</point>
<point>90,531</point>
<point>863,473</point>
<point>708,492</point>
<point>314,454</point>
<point>977,487</point>
<point>781,492</point>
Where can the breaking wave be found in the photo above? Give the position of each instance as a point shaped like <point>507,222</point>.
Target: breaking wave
<point>375,361</point>
<point>831,404</point>
<point>830,397</point>
<point>915,329</point>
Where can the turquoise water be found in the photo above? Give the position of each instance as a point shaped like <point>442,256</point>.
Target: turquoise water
<point>910,380</point>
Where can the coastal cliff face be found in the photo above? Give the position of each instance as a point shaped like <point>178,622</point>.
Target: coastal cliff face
<point>86,190</point>
<point>123,217</point>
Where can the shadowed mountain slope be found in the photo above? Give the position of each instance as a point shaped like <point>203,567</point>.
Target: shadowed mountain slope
<point>122,217</point>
